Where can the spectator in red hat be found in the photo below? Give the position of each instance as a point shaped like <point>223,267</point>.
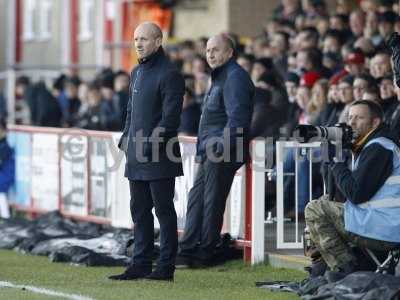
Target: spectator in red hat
<point>355,63</point>
<point>330,115</point>
<point>303,94</point>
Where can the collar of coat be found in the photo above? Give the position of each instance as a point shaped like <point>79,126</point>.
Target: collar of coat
<point>152,58</point>
<point>222,68</point>
<point>360,142</point>
<point>5,150</point>
<point>381,131</point>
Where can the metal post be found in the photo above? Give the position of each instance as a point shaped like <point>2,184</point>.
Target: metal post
<point>258,202</point>
<point>11,77</point>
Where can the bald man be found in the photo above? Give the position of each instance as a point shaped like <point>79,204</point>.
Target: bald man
<point>222,147</point>
<point>150,143</point>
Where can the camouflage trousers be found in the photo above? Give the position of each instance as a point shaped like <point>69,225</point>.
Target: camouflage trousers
<point>325,220</point>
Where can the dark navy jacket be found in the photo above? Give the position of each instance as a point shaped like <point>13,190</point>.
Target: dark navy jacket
<point>228,106</point>
<point>154,108</point>
<point>7,166</point>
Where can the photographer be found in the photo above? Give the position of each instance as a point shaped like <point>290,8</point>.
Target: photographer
<point>369,217</point>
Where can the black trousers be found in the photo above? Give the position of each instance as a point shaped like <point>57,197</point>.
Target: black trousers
<point>206,206</point>
<point>144,196</point>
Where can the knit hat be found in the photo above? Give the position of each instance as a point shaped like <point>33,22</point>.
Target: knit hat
<point>309,78</point>
<point>355,58</point>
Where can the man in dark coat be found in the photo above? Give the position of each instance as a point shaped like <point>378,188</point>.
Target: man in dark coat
<point>153,114</point>
<point>222,148</point>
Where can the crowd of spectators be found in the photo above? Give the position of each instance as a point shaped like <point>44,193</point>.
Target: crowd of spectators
<point>308,64</point>
<point>71,102</point>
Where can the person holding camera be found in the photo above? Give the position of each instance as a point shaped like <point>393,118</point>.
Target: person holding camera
<point>369,216</point>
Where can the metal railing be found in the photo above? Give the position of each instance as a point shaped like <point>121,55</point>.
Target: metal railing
<point>289,233</point>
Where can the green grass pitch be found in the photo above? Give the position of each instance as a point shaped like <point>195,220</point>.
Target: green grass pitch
<point>234,280</point>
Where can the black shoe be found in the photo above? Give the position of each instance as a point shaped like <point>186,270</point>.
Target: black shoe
<point>162,274</point>
<point>182,261</point>
<point>132,273</point>
<point>191,261</point>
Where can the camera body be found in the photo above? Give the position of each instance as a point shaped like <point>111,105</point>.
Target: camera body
<point>339,133</point>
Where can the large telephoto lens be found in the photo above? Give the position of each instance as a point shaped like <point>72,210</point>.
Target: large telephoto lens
<point>303,133</point>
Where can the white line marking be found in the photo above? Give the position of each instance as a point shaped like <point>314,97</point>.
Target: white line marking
<point>43,291</point>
